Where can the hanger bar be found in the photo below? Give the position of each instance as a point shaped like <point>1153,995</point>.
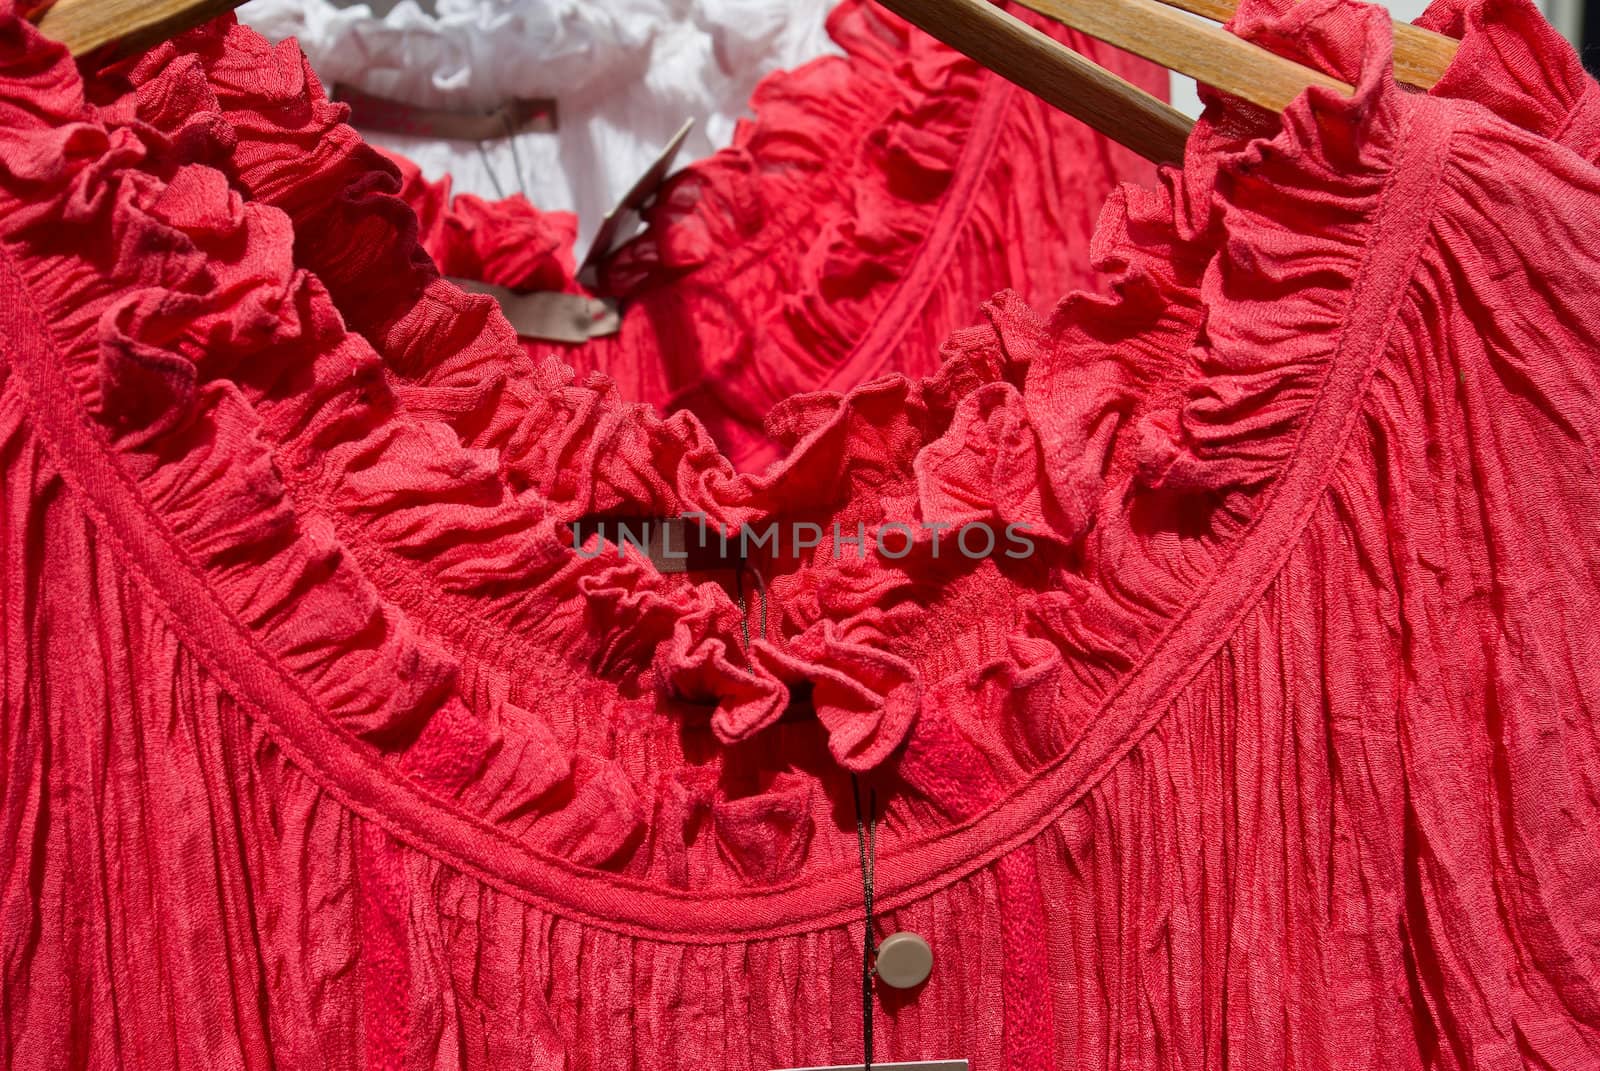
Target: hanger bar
<point>1420,56</point>
<point>85,26</point>
<point>1203,51</point>
<point>1057,75</point>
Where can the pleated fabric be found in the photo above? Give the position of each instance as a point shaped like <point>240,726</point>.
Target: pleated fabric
<point>324,746</point>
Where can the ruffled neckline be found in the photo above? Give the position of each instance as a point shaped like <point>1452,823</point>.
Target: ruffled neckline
<point>1234,417</point>
<point>686,636</point>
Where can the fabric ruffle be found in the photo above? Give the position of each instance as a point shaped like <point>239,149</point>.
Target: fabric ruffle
<point>1082,431</point>
<point>192,255</point>
<point>394,476</point>
<point>205,416</point>
<point>1539,82</point>
<point>469,237</point>
<point>1135,437</point>
<point>578,445</point>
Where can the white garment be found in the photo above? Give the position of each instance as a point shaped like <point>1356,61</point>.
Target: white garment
<point>625,75</point>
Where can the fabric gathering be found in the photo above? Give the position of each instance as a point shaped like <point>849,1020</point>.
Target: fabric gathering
<point>985,601</point>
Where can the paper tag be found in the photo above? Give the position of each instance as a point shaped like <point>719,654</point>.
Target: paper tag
<point>551,315</point>
<point>622,221</point>
<point>914,1065</point>
<point>369,111</point>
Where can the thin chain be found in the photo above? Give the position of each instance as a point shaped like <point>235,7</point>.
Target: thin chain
<point>867,842</point>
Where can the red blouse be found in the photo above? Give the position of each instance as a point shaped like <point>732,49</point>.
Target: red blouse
<point>323,746</point>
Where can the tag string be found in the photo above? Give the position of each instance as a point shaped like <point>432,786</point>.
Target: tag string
<point>488,165</point>
<point>744,608</point>
<point>866,829</point>
<point>516,163</point>
<point>867,842</point>
<point>511,143</point>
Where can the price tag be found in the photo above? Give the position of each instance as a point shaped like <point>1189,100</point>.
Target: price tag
<point>369,111</point>
<point>549,315</point>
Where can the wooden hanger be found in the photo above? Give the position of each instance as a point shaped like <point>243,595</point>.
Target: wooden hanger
<point>1202,50</point>
<point>1115,107</point>
<point>1054,73</point>
<point>1156,30</point>
<point>1420,56</point>
<point>86,26</point>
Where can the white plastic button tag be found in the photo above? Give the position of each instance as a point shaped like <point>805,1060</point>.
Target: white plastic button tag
<point>904,961</point>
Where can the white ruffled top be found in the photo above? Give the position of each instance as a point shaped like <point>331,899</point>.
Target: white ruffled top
<point>625,75</point>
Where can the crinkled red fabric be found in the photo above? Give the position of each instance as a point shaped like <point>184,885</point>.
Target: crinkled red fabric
<point>323,747</point>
